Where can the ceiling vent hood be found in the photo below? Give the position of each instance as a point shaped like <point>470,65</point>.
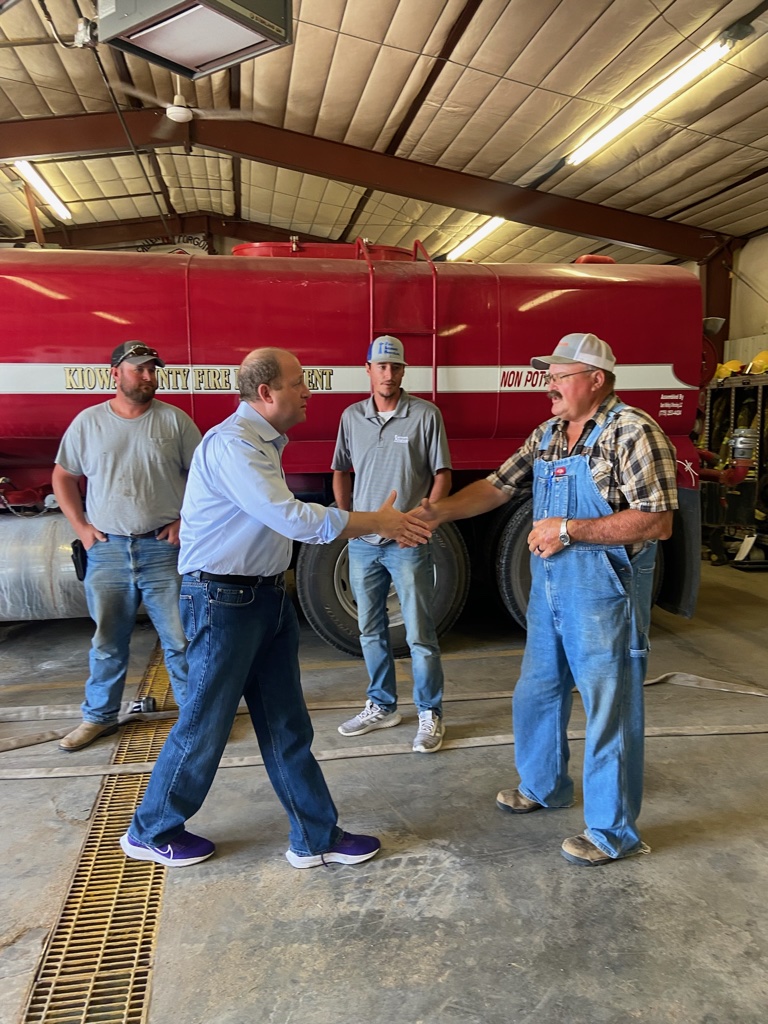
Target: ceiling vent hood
<point>194,38</point>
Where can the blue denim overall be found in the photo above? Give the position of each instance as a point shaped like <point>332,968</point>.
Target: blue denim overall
<point>588,619</point>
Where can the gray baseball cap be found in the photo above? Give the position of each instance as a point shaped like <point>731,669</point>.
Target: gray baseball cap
<point>135,353</point>
<point>578,348</point>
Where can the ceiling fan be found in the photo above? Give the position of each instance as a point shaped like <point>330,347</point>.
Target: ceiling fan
<point>180,111</point>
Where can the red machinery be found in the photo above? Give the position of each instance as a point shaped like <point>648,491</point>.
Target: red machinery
<point>469,332</point>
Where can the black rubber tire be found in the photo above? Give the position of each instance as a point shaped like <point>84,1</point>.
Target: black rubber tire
<point>513,562</point>
<point>325,595</point>
<point>491,527</point>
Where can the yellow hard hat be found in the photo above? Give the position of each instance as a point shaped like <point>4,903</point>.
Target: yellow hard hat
<point>759,363</point>
<point>726,369</point>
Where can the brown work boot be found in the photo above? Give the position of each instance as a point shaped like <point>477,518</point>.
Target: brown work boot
<point>513,800</point>
<point>85,734</point>
<point>582,851</point>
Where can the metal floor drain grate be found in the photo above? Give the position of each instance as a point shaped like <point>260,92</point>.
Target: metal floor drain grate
<point>98,962</point>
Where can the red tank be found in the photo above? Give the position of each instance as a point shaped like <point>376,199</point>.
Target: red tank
<point>469,332</point>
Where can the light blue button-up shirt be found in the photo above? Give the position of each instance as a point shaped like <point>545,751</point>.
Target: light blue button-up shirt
<point>238,515</point>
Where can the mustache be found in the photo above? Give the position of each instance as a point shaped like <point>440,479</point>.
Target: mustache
<point>552,395</point>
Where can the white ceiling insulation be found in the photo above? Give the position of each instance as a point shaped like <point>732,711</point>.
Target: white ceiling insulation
<point>503,95</point>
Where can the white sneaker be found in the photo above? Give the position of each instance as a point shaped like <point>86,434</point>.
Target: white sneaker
<point>429,738</point>
<point>370,718</point>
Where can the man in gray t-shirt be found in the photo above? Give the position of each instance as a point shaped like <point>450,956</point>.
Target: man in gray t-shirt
<point>393,441</point>
<point>134,453</point>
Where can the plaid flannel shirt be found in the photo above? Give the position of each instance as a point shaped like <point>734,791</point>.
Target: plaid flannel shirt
<point>633,462</point>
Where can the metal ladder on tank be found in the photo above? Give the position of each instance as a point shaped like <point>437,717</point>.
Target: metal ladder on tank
<point>362,252</point>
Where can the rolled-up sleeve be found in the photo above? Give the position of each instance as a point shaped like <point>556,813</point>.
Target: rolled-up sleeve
<point>517,472</point>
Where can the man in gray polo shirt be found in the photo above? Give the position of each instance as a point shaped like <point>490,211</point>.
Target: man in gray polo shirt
<point>393,441</point>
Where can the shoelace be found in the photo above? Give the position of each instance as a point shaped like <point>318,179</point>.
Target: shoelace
<point>323,861</point>
<point>427,723</point>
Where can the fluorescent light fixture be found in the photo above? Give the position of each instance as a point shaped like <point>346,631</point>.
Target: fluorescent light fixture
<point>674,83</point>
<point>44,190</point>
<point>477,236</point>
<point>194,38</point>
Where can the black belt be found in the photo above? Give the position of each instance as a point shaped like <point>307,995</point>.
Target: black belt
<point>246,581</point>
<point>138,536</point>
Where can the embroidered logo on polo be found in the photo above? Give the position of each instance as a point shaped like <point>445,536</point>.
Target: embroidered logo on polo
<point>400,440</point>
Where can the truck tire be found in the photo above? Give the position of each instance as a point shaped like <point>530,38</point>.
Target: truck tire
<point>513,564</point>
<point>491,527</point>
<point>325,594</point>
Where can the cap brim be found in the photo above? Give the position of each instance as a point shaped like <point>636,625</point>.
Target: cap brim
<point>542,362</point>
<point>140,360</point>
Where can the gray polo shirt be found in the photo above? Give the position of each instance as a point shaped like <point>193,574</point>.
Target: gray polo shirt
<point>402,453</point>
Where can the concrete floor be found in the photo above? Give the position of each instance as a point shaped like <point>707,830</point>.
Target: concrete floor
<point>468,915</point>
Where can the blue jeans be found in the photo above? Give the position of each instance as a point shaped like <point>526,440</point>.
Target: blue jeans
<point>122,572</point>
<point>371,570</point>
<point>243,642</point>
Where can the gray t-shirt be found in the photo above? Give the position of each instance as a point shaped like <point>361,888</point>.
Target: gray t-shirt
<point>401,454</point>
<point>136,468</point>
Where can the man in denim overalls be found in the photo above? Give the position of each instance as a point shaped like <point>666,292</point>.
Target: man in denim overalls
<point>604,491</point>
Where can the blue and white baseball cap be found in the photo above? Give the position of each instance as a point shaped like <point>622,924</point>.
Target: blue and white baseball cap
<point>386,349</point>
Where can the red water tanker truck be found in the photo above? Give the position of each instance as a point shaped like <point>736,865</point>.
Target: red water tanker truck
<point>469,332</point>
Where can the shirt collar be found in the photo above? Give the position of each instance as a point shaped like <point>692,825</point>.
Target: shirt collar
<point>401,409</point>
<point>263,428</point>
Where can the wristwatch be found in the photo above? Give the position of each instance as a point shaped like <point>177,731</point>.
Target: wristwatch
<point>564,537</point>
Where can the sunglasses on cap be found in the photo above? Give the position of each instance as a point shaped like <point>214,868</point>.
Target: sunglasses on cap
<point>138,351</point>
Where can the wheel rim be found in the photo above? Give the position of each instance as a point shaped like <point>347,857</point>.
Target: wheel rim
<point>343,588</point>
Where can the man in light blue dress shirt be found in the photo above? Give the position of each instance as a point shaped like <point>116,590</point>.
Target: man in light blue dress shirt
<point>239,520</point>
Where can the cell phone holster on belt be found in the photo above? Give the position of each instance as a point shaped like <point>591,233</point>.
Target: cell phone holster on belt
<point>79,558</point>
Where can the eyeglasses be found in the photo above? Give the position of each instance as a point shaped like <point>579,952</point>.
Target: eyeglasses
<point>555,378</point>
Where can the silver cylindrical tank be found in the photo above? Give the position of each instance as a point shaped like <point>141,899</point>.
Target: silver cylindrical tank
<point>37,577</point>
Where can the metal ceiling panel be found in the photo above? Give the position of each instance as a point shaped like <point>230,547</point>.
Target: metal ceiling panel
<point>198,181</point>
<point>746,207</point>
<point>303,203</point>
<point>395,220</point>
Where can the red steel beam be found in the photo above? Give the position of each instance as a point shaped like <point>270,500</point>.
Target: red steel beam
<point>110,232</point>
<point>444,187</point>
<point>91,134</point>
